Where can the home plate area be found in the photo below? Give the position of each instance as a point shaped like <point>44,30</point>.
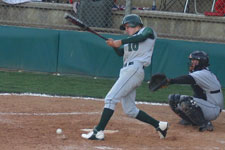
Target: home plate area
<point>29,122</point>
<point>105,131</point>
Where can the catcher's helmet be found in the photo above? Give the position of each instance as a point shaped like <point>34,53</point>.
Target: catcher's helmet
<point>202,57</point>
<point>132,20</point>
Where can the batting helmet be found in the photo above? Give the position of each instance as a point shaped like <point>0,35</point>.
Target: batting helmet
<point>132,20</point>
<point>202,57</point>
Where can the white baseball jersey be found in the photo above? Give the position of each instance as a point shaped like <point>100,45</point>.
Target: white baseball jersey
<point>211,87</point>
<point>141,52</point>
<point>209,83</point>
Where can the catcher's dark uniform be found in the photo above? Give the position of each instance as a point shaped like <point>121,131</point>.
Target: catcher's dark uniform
<point>207,92</point>
<point>207,102</point>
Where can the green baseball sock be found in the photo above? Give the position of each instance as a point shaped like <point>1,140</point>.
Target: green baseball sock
<point>106,115</point>
<point>142,116</point>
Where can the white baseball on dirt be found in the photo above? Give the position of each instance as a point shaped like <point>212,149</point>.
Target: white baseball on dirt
<point>59,131</point>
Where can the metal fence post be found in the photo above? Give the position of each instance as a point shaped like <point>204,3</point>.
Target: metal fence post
<point>128,7</point>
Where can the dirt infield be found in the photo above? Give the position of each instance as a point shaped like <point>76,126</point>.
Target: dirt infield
<point>30,123</point>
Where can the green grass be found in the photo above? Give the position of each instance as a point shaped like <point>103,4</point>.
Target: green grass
<point>21,82</point>
<point>76,85</point>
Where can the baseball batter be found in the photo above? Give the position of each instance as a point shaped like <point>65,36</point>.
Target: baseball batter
<point>207,102</point>
<point>137,51</point>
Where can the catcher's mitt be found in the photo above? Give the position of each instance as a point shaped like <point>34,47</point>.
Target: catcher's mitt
<point>157,81</point>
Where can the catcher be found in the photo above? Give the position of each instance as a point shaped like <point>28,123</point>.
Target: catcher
<point>207,102</point>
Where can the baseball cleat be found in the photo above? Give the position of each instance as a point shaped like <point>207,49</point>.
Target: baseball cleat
<point>94,135</point>
<point>207,126</point>
<point>162,129</point>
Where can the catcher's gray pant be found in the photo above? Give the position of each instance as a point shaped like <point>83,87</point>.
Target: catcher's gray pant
<point>124,90</point>
<point>210,111</point>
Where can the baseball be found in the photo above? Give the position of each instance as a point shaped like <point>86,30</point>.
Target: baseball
<point>59,131</point>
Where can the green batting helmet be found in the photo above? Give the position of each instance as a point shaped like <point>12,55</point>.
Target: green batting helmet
<point>132,20</point>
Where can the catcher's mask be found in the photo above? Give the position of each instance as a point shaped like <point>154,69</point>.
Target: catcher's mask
<point>132,20</point>
<point>203,60</point>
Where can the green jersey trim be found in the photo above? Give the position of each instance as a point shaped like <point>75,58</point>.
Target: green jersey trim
<point>147,33</point>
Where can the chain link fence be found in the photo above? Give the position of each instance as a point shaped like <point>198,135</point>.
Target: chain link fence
<point>170,18</point>
<point>188,6</point>
<point>98,13</point>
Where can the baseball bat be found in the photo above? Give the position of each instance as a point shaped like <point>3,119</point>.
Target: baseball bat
<point>79,23</point>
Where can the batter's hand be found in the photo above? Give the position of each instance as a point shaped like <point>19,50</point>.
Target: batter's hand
<point>110,42</point>
<point>114,43</point>
<point>117,43</point>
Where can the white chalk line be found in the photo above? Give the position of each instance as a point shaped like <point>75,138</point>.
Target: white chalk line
<point>48,114</point>
<point>49,96</point>
<point>82,98</point>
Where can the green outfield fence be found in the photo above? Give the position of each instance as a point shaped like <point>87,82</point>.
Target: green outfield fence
<point>73,52</point>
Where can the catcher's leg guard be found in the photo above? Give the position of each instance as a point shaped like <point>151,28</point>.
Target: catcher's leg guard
<point>192,110</point>
<point>174,102</point>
